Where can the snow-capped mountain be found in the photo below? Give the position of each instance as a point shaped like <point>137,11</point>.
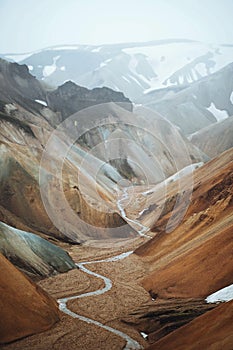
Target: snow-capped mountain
<point>197,105</point>
<point>134,68</point>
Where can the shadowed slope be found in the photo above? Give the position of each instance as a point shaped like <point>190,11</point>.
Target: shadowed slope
<point>212,330</point>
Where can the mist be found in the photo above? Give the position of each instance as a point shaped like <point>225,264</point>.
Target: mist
<point>31,25</point>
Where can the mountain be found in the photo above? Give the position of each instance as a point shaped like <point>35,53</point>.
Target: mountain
<point>198,105</point>
<point>92,180</point>
<point>189,256</point>
<point>25,308</point>
<point>25,129</point>
<point>133,68</point>
<point>214,139</point>
<point>32,254</point>
<point>18,86</point>
<point>212,330</point>
<point>94,157</point>
<point>187,82</point>
<point>203,236</point>
<point>70,98</point>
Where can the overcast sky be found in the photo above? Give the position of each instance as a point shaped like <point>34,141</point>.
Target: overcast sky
<point>28,25</point>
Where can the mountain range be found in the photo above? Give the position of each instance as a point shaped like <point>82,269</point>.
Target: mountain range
<point>134,68</point>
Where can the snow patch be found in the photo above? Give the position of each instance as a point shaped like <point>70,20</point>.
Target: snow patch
<point>144,335</point>
<point>179,63</point>
<point>97,49</point>
<point>224,294</point>
<point>123,77</point>
<point>231,97</point>
<point>185,171</point>
<point>103,64</point>
<point>65,47</point>
<point>219,114</point>
<point>42,102</point>
<point>136,81</point>
<point>48,70</point>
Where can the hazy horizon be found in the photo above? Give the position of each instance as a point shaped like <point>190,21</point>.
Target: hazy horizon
<point>32,25</point>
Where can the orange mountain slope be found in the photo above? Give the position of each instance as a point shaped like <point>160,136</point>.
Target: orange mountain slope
<point>196,259</point>
<point>25,308</point>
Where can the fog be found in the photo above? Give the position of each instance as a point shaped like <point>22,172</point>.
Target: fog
<point>30,25</point>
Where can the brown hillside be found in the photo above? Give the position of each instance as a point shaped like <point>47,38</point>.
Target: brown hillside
<point>25,308</point>
<point>196,259</point>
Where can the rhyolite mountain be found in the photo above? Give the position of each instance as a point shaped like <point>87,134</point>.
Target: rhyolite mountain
<point>136,145</point>
<point>203,235</point>
<point>184,266</point>
<point>25,129</point>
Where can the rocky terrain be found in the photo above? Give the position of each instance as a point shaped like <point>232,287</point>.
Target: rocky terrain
<point>70,98</point>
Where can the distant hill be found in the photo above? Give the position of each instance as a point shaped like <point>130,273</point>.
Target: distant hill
<point>215,138</point>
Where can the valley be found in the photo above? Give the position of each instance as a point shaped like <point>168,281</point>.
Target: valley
<point>116,197</point>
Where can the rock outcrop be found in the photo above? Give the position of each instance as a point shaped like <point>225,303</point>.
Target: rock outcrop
<point>212,330</point>
<point>70,98</point>
<point>161,317</point>
<point>33,254</point>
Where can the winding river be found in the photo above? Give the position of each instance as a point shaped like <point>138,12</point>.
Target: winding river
<point>140,228</point>
<point>131,344</point>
